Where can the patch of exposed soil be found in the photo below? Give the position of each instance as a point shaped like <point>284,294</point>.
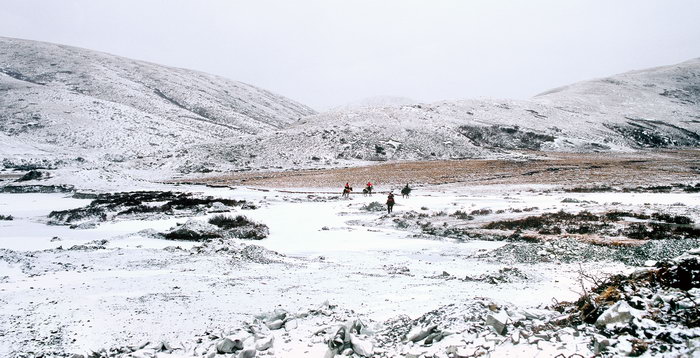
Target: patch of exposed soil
<point>567,169</point>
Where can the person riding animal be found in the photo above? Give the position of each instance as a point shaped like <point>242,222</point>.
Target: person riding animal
<point>368,189</point>
<point>346,190</point>
<point>390,203</point>
<point>406,191</point>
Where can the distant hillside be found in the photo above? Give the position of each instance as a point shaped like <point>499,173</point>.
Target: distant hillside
<point>655,108</point>
<point>92,112</point>
<point>375,102</point>
<point>58,99</point>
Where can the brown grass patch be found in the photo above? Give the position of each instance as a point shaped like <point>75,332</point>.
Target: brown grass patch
<point>570,169</point>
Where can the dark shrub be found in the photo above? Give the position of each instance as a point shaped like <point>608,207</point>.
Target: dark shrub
<point>134,203</point>
<point>19,189</point>
<point>681,220</point>
<point>241,227</point>
<point>72,215</point>
<point>227,222</point>
<point>31,175</point>
<point>373,206</point>
<point>462,215</point>
<point>189,235</point>
<point>481,212</point>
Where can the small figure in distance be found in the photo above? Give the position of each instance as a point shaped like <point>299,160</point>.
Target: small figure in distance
<point>390,202</point>
<point>368,189</point>
<point>406,191</point>
<point>346,190</point>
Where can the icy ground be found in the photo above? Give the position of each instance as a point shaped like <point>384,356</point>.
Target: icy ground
<point>64,290</point>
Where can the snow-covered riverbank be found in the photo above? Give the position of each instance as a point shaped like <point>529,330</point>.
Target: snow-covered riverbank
<point>66,290</point>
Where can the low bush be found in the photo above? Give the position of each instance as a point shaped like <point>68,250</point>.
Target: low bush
<point>139,202</point>
<point>658,226</point>
<point>373,206</point>
<point>189,235</point>
<point>481,212</point>
<point>31,175</point>
<point>462,215</point>
<point>228,222</point>
<point>241,227</point>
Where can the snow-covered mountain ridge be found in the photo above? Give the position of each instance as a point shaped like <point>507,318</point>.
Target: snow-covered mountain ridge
<point>654,108</point>
<point>60,100</point>
<point>94,111</point>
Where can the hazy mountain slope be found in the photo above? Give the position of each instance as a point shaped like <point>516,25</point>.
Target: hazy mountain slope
<point>653,108</point>
<point>101,113</point>
<point>657,107</point>
<point>376,102</point>
<point>78,100</point>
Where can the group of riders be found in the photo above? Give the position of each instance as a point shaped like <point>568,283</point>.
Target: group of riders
<point>369,188</point>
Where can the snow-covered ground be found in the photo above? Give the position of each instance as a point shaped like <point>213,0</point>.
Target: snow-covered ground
<point>64,290</point>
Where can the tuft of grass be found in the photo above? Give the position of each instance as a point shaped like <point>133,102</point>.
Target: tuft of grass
<point>31,175</point>
<point>228,222</point>
<point>459,214</point>
<point>189,235</point>
<point>373,206</point>
<point>658,226</point>
<point>241,227</point>
<point>6,217</point>
<point>481,212</point>
<point>134,203</point>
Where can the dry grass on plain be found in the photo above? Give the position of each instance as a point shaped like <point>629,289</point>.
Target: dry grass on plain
<point>566,169</point>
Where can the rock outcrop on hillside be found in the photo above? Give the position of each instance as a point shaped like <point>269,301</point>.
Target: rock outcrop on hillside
<point>66,107</point>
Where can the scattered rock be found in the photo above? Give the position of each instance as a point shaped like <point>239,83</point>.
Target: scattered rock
<point>228,345</point>
<point>620,312</point>
<point>265,343</point>
<point>498,322</point>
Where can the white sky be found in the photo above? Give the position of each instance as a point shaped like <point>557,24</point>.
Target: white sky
<point>325,53</point>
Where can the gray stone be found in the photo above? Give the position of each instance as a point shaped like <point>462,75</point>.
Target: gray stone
<point>434,337</point>
<point>143,353</point>
<point>347,352</point>
<point>600,343</point>
<point>228,345</point>
<point>515,337</point>
<point>498,322</point>
<point>276,324</point>
<point>265,343</point>
<point>363,348</point>
<point>419,333</point>
<point>247,353</point>
<point>620,312</point>
<point>290,325</point>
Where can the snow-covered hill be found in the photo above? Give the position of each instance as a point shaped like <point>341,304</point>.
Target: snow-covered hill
<point>655,108</point>
<point>375,102</point>
<point>61,101</point>
<point>101,113</point>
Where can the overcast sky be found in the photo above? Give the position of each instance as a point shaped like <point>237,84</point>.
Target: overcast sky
<point>326,53</point>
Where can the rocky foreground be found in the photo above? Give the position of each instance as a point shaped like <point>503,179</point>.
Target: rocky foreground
<point>652,312</point>
<point>454,272</point>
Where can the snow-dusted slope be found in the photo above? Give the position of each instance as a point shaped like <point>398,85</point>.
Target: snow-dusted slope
<point>58,99</point>
<point>654,108</point>
<point>105,113</point>
<point>376,102</point>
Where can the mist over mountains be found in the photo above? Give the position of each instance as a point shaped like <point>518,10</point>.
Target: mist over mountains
<point>77,108</point>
